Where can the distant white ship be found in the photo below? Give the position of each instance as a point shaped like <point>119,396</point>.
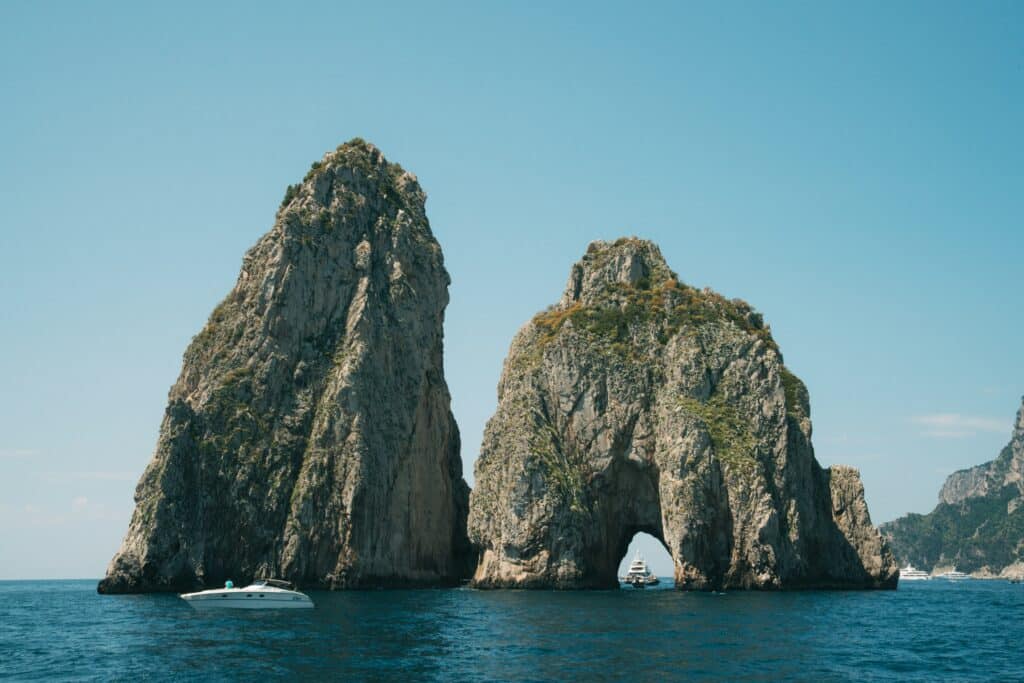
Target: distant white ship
<point>639,576</point>
<point>909,573</point>
<point>262,594</point>
<point>953,575</point>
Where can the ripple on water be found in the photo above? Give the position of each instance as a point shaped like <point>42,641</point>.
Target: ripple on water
<point>925,631</point>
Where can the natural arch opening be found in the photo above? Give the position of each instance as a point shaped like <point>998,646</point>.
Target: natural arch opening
<point>654,553</point>
<point>626,501</point>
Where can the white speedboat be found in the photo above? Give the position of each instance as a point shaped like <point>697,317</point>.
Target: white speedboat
<point>639,576</point>
<point>909,573</point>
<point>262,594</point>
<point>953,575</point>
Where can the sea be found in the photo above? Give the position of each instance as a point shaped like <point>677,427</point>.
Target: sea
<point>924,631</point>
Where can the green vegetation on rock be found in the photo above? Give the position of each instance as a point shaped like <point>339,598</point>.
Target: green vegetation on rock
<point>731,438</point>
<point>971,534</point>
<point>289,194</point>
<point>797,399</point>
<point>979,521</point>
<point>563,471</point>
<point>667,308</point>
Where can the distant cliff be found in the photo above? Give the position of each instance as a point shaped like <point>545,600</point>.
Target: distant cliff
<point>638,403</point>
<point>309,434</point>
<point>978,524</point>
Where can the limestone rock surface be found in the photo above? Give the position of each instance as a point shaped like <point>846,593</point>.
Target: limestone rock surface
<point>309,434</point>
<point>1006,470</point>
<point>638,403</point>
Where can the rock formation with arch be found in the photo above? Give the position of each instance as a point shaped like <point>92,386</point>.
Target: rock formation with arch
<point>638,403</point>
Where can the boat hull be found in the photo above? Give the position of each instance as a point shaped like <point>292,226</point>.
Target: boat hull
<point>240,599</point>
<point>910,573</point>
<point>640,582</point>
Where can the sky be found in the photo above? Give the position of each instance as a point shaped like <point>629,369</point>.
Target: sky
<point>853,170</point>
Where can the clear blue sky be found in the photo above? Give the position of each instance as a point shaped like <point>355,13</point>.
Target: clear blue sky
<point>853,170</point>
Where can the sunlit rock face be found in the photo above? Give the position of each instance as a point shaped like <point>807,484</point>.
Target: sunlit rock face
<point>309,434</point>
<point>638,403</point>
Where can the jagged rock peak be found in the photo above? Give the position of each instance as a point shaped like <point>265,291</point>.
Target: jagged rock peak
<point>639,403</point>
<point>626,261</point>
<point>355,166</point>
<point>981,480</point>
<point>631,273</point>
<point>309,434</point>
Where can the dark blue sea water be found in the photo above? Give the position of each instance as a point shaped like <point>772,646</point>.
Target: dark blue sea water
<point>925,631</point>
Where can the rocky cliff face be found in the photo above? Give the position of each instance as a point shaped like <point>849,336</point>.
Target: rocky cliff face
<point>992,476</point>
<point>964,484</point>
<point>309,434</point>
<point>978,524</point>
<point>637,403</point>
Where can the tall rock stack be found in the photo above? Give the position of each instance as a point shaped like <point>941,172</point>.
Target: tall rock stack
<point>309,434</point>
<point>638,403</point>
